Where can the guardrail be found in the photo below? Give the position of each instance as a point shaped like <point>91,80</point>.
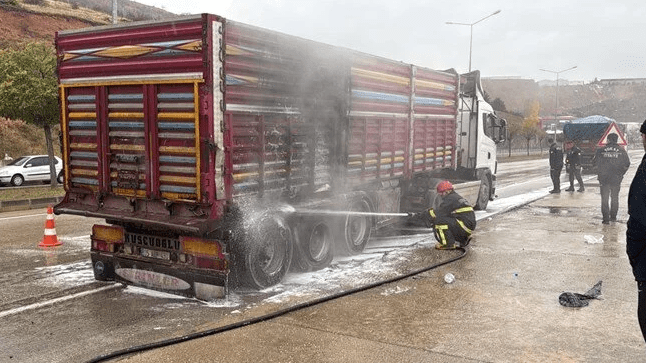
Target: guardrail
<point>25,204</point>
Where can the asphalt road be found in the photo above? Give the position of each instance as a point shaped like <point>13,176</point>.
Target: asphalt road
<point>52,310</point>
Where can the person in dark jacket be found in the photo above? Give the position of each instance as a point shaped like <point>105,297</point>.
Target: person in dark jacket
<point>556,165</point>
<point>636,233</point>
<point>573,167</point>
<point>612,162</point>
<point>454,220</point>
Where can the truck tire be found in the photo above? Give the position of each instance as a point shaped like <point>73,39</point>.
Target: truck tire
<point>267,253</point>
<point>355,230</point>
<point>484,193</point>
<point>314,246</point>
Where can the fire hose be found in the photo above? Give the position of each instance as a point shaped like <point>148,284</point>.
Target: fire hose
<point>270,316</point>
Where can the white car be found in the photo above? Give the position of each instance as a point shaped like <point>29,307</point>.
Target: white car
<point>30,168</point>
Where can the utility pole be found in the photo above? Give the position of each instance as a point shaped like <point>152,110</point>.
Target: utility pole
<point>471,37</point>
<point>114,11</point>
<point>556,110</point>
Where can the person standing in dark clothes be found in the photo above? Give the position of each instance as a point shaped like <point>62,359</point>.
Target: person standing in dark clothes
<point>573,167</point>
<point>453,221</point>
<point>612,162</point>
<point>636,233</point>
<point>556,165</point>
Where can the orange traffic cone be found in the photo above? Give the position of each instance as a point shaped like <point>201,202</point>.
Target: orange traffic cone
<point>50,238</point>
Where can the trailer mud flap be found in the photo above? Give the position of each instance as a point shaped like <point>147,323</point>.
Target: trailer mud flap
<point>152,279</point>
<point>186,282</point>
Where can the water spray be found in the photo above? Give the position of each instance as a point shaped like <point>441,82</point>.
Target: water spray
<point>351,213</point>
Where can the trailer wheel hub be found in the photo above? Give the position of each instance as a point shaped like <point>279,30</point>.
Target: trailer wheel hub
<point>99,268</point>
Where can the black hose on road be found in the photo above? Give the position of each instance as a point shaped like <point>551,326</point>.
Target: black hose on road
<point>267,317</point>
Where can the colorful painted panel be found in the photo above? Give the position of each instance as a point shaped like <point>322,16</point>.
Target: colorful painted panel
<point>433,143</point>
<point>127,140</point>
<point>178,154</point>
<point>82,145</point>
<point>377,148</point>
<point>165,48</point>
<point>435,93</point>
<point>283,98</point>
<point>379,87</point>
<point>147,146</point>
<point>435,109</point>
<point>379,119</point>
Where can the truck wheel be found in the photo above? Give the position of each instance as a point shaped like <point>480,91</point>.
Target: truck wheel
<point>484,193</point>
<point>268,253</point>
<point>17,180</point>
<point>355,230</point>
<point>59,179</point>
<point>315,246</point>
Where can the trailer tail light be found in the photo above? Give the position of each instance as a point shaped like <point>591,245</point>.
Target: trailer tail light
<point>198,246</point>
<point>103,246</point>
<point>110,234</point>
<point>203,253</point>
<point>210,263</point>
<point>106,238</point>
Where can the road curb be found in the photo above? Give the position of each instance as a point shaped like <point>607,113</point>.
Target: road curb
<point>25,204</point>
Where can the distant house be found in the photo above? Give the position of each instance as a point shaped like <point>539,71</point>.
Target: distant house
<point>621,81</point>
<point>562,82</point>
<point>548,123</point>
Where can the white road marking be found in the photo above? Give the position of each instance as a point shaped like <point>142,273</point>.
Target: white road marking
<point>54,301</point>
<point>25,216</point>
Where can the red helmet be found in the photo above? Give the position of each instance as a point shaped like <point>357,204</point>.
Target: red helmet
<point>444,186</point>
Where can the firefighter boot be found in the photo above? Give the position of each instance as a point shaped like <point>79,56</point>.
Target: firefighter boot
<point>445,238</point>
<point>448,246</point>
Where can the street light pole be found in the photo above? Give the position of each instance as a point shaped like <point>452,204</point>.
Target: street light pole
<point>556,110</point>
<point>471,37</point>
<point>114,12</point>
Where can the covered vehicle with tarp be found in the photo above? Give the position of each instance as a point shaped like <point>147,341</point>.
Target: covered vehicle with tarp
<point>590,133</point>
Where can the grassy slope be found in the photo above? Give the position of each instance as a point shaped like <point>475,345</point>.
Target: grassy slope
<point>30,192</point>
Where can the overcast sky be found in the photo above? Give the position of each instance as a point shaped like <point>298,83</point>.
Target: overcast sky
<point>603,39</point>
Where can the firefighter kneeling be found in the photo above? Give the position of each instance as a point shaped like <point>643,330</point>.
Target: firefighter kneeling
<point>453,221</point>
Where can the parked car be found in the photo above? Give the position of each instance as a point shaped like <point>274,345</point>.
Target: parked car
<point>30,168</point>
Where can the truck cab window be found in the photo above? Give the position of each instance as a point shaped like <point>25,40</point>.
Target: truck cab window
<point>494,127</point>
<point>488,120</point>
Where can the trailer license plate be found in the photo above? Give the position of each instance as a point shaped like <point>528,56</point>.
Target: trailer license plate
<point>162,255</point>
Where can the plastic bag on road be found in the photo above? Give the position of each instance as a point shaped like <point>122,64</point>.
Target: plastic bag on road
<point>575,300</point>
<point>593,239</point>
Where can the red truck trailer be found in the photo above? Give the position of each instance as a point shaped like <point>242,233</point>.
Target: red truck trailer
<point>590,133</point>
<point>210,147</point>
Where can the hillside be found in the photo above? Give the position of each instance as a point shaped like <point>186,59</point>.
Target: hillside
<point>624,103</point>
<point>126,10</point>
<point>19,26</point>
<point>38,21</point>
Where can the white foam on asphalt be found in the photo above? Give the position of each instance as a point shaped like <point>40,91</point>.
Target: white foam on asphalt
<point>378,262</point>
